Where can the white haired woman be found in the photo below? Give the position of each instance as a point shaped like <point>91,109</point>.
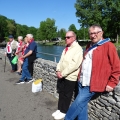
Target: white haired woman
<point>19,53</point>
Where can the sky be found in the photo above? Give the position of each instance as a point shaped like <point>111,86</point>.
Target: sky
<point>32,12</point>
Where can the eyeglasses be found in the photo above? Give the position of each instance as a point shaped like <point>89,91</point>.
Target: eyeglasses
<point>68,37</point>
<point>94,33</point>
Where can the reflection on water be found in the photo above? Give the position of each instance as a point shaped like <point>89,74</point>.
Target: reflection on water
<point>56,50</point>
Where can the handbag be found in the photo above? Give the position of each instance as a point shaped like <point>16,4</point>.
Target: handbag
<point>14,60</point>
<point>37,86</point>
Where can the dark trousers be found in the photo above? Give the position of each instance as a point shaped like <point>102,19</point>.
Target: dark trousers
<point>31,59</point>
<point>66,89</point>
<point>14,67</point>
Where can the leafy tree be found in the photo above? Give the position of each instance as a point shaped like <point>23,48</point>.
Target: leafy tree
<point>41,33</point>
<point>50,29</point>
<point>22,30</point>
<point>83,34</point>
<point>62,33</point>
<point>19,31</point>
<point>58,34</point>
<point>25,29</point>
<point>72,28</point>
<point>3,27</point>
<point>11,25</point>
<point>106,13</point>
<point>47,30</point>
<point>33,31</point>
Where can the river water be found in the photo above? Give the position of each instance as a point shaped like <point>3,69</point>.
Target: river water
<point>56,50</point>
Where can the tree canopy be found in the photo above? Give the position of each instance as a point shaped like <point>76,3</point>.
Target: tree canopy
<point>47,30</point>
<point>106,13</point>
<point>3,26</point>
<point>9,26</point>
<point>72,28</point>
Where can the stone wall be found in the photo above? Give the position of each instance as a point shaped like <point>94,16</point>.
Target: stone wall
<point>46,70</point>
<point>105,106</point>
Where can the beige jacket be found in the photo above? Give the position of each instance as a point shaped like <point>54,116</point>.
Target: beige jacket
<point>13,46</point>
<point>69,64</point>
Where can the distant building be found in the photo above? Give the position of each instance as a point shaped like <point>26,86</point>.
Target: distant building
<point>59,38</point>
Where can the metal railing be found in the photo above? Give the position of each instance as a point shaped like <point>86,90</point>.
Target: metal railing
<point>49,55</point>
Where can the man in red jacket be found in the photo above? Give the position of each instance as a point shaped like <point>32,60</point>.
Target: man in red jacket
<point>100,71</point>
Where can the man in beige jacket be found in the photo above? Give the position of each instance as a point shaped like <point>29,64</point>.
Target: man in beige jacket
<point>67,72</point>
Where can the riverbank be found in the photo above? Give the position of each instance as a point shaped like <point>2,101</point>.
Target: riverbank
<point>62,43</point>
<point>47,43</point>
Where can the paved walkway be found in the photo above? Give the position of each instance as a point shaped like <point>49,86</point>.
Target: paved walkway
<point>17,102</point>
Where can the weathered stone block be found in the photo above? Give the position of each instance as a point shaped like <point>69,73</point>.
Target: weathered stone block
<point>111,100</point>
<point>117,98</point>
<point>105,102</point>
<point>118,104</point>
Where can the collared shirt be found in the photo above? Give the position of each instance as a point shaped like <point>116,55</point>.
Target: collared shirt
<point>9,47</point>
<point>86,69</point>
<point>68,47</point>
<point>32,46</point>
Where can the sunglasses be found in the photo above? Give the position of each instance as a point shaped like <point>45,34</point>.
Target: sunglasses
<point>68,37</point>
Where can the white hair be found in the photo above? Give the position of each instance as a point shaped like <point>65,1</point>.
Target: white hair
<point>20,37</point>
<point>29,35</point>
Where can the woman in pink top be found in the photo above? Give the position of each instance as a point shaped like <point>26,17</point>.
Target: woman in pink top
<point>20,53</point>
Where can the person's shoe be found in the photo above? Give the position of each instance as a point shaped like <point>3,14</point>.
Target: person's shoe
<point>20,82</point>
<point>29,81</point>
<point>59,116</point>
<point>19,73</point>
<point>55,113</point>
<point>12,71</point>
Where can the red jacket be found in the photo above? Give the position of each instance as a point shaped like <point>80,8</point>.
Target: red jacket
<point>105,67</point>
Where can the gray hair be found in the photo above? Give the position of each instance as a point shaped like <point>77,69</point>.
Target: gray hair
<point>95,26</point>
<point>20,37</point>
<point>72,33</point>
<point>29,35</point>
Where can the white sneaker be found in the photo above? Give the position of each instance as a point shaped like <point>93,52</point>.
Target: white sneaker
<point>59,116</point>
<point>55,113</point>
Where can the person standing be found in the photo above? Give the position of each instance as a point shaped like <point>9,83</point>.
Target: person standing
<point>30,51</point>
<point>23,51</point>
<point>10,51</point>
<point>100,71</point>
<point>67,72</point>
<point>19,53</point>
